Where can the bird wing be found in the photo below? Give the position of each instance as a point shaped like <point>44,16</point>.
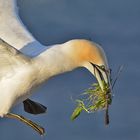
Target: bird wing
<point>10,59</point>
<point>11,27</point>
<point>14,32</point>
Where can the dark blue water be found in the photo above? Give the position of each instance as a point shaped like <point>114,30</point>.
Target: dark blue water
<point>115,25</point>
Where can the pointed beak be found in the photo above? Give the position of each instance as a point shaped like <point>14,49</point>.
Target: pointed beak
<point>102,75</point>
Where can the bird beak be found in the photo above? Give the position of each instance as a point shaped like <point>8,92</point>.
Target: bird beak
<point>102,75</point>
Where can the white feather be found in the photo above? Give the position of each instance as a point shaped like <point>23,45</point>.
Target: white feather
<point>29,63</point>
<point>19,74</point>
<point>14,32</point>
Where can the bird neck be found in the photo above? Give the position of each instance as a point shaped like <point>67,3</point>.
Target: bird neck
<point>52,62</point>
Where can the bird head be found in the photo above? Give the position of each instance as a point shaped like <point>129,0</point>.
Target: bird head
<point>91,56</point>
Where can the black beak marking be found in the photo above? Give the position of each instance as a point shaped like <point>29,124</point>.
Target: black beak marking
<point>98,69</point>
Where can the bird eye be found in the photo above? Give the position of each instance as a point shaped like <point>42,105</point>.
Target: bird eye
<point>102,67</point>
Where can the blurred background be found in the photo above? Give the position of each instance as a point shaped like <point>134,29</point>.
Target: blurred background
<point>115,24</point>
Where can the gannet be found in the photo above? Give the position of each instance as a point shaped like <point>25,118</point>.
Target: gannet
<point>25,63</point>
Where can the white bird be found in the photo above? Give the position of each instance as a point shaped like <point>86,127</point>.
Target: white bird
<point>25,63</point>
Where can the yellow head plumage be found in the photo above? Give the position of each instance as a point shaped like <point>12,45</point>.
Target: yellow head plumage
<point>89,54</point>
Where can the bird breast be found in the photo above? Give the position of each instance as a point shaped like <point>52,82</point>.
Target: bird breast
<point>16,88</point>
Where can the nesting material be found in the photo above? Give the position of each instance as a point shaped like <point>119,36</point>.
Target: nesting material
<point>92,100</point>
